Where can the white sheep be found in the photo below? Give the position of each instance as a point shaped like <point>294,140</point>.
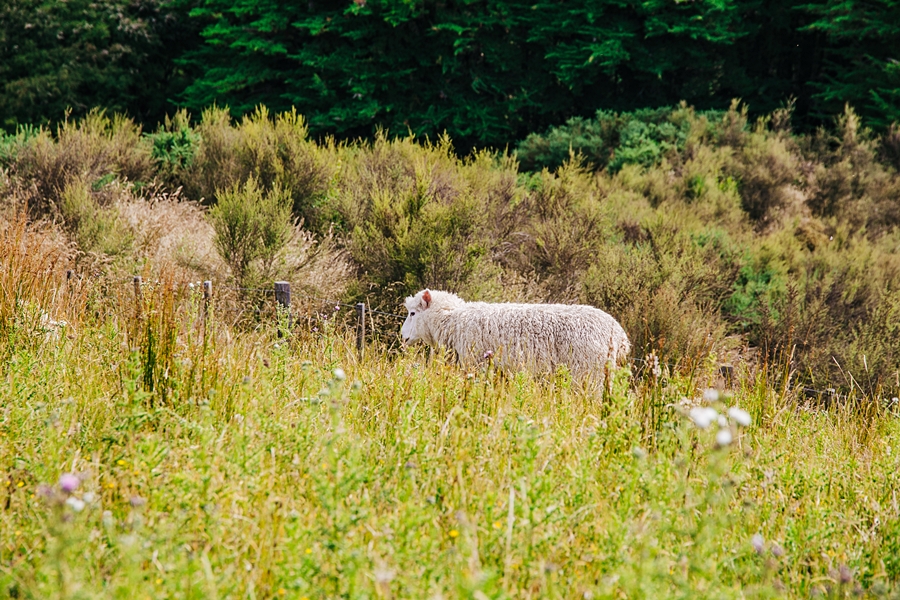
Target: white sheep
<point>533,337</point>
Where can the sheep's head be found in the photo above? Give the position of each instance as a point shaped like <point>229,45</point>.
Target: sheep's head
<point>412,330</point>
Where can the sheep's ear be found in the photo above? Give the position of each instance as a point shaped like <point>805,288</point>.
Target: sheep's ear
<point>426,298</point>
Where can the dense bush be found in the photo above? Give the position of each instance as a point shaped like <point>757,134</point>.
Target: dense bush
<point>274,151</point>
<point>95,150</point>
<point>175,145</point>
<point>252,227</point>
<point>613,140</point>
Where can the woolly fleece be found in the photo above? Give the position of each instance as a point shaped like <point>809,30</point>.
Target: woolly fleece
<point>534,337</point>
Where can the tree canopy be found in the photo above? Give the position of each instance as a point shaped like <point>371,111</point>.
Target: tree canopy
<point>488,72</point>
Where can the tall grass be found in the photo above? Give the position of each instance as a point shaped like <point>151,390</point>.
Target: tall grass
<point>213,462</point>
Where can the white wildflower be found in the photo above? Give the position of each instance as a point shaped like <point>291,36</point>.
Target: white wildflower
<point>710,395</point>
<point>75,504</point>
<point>723,422</point>
<point>740,416</point>
<point>723,437</point>
<point>89,497</point>
<point>703,416</point>
<point>339,374</point>
<point>758,543</point>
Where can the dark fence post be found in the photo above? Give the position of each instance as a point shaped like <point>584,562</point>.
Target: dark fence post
<point>283,298</point>
<point>727,372</point>
<point>361,329</point>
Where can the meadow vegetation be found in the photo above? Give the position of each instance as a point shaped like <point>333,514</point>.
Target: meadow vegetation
<point>216,456</point>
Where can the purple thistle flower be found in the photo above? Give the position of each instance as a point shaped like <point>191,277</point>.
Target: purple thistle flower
<point>68,482</point>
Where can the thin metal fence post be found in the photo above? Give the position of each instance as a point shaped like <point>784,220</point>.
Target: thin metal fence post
<point>361,329</point>
<point>137,295</point>
<point>283,298</point>
<point>207,298</point>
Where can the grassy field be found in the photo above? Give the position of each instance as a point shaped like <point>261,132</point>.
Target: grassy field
<point>153,450</point>
<point>221,462</point>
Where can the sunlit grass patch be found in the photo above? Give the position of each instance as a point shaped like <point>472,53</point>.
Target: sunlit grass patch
<point>295,470</point>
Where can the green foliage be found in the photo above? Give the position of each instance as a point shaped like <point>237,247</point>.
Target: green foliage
<point>486,72</point>
<point>174,146</point>
<point>276,152</point>
<point>94,228</point>
<point>861,68</point>
<point>90,150</point>
<point>61,58</point>
<point>252,227</point>
<point>611,140</point>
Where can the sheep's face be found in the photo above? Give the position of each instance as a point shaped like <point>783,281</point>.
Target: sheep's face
<point>412,330</point>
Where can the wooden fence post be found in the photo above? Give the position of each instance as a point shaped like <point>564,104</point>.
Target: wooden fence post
<point>727,372</point>
<point>361,329</point>
<point>283,298</point>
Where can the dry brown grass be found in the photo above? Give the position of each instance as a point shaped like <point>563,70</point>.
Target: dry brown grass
<point>170,231</point>
<point>34,258</point>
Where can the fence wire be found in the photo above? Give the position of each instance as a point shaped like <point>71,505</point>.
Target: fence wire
<point>654,363</point>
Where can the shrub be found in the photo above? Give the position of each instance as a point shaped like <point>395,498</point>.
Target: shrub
<point>95,150</point>
<point>764,166</point>
<point>275,152</point>
<point>414,221</point>
<point>174,147</point>
<point>666,291</point>
<point>95,228</point>
<point>612,140</point>
<point>848,182</point>
<point>563,225</point>
<point>12,144</point>
<point>252,226</point>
